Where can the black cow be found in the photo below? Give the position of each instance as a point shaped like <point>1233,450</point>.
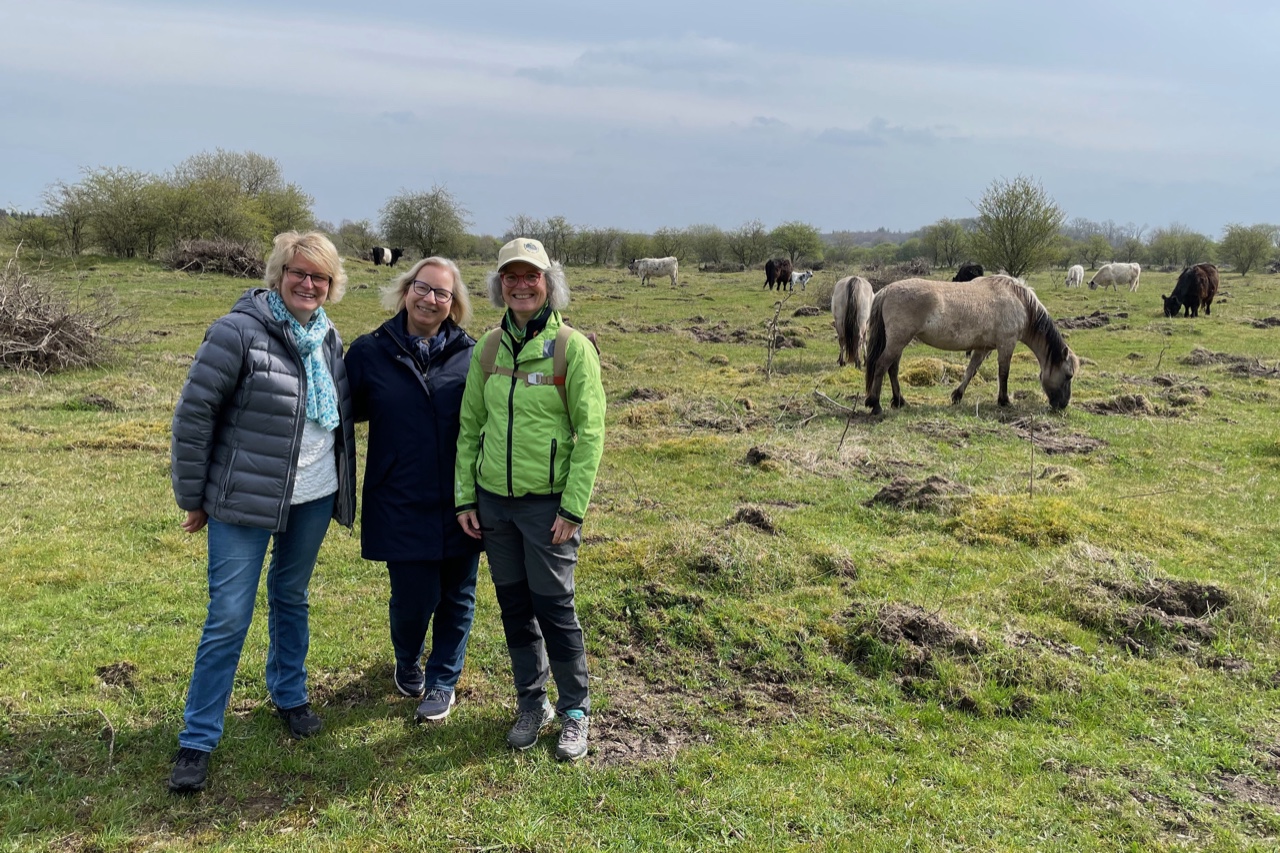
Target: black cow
<point>385,257</point>
<point>1196,288</point>
<point>968,272</point>
<point>777,271</point>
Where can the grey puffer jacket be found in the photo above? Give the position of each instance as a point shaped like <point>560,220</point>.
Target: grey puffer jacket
<point>238,424</point>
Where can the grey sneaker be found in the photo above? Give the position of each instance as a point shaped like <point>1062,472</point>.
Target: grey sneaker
<point>573,738</point>
<point>436,705</point>
<point>529,724</point>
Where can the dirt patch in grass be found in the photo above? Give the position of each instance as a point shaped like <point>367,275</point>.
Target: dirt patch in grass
<point>1122,404</point>
<point>808,311</point>
<point>1089,321</point>
<point>93,401</point>
<point>753,516</point>
<point>642,395</point>
<point>1121,598</point>
<point>933,492</point>
<point>956,434</point>
<point>1265,323</point>
<point>1051,439</point>
<point>118,674</point>
<point>900,640</point>
<point>826,462</point>
<point>644,722</point>
<point>1237,365</point>
<point>1246,789</point>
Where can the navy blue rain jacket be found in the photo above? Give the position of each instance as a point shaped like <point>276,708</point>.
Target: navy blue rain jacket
<point>407,511</point>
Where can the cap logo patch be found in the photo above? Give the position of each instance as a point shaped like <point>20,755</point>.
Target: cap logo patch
<point>531,247</point>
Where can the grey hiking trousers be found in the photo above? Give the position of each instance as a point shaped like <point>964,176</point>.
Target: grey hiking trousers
<point>533,580</point>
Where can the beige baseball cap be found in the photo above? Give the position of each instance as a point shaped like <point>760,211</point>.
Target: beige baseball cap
<point>524,249</point>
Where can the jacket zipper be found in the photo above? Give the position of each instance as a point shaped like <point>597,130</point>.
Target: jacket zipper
<point>552,479</point>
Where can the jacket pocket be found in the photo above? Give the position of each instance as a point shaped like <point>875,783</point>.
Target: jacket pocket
<point>228,475</point>
<point>552,479</point>
<point>480,457</point>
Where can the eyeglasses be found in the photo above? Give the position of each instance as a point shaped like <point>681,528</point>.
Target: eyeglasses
<point>511,279</point>
<point>299,276</point>
<point>422,289</point>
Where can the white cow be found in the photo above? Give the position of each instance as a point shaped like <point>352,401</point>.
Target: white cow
<point>645,267</point>
<point>1075,276</point>
<point>801,278</point>
<point>1116,274</point>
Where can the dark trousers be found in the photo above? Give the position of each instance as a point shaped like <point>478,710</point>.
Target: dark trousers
<point>441,589</point>
<point>533,580</point>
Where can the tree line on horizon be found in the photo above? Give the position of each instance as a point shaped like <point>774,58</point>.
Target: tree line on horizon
<point>243,198</point>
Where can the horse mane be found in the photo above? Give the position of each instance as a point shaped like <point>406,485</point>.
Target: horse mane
<point>1040,325</point>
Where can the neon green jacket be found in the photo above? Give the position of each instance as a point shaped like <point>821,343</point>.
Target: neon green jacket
<point>516,439</point>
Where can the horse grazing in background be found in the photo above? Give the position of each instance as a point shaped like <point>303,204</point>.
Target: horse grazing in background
<point>989,313</point>
<point>851,307</point>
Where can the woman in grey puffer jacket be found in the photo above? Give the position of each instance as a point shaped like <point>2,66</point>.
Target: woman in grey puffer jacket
<point>263,448</point>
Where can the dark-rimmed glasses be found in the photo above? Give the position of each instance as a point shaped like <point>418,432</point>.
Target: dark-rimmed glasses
<point>299,276</point>
<point>421,288</point>
<point>511,279</point>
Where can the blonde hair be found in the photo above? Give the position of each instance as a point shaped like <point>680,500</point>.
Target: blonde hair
<point>394,294</point>
<point>317,249</point>
<point>557,288</point>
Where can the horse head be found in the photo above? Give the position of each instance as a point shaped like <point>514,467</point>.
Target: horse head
<point>1055,378</point>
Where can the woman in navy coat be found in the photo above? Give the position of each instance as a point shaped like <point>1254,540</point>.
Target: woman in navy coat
<point>407,378</point>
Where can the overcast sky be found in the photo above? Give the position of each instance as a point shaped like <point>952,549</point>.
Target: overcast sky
<point>845,115</point>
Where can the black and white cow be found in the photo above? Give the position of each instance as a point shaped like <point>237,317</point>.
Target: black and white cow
<point>382,256</point>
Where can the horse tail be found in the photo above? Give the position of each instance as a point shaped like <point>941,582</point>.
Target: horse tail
<point>842,306</point>
<point>875,339</point>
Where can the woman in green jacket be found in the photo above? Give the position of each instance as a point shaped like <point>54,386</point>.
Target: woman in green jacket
<point>527,461</point>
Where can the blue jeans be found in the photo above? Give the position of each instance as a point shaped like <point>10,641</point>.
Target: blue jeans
<point>441,593</point>
<point>235,566</point>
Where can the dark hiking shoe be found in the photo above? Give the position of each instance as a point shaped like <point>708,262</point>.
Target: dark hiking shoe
<point>190,769</point>
<point>529,724</point>
<point>302,721</point>
<point>436,705</point>
<point>573,736</point>
<point>410,680</point>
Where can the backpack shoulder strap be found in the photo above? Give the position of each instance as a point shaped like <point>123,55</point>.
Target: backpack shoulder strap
<point>560,361</point>
<point>489,351</point>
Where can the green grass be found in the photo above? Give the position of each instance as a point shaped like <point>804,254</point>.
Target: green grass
<point>778,662</point>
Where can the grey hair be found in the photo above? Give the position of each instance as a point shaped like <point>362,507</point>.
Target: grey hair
<point>557,288</point>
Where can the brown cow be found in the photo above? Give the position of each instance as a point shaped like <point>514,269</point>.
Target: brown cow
<point>777,271</point>
<point>1196,288</point>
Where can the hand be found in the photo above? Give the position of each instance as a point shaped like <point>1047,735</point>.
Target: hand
<point>470,523</point>
<point>196,519</point>
<point>562,530</point>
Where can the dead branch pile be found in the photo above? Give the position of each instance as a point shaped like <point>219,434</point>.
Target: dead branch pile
<point>880,276</point>
<point>216,256</point>
<point>42,331</point>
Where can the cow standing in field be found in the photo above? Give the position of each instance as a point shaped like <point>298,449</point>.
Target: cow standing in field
<point>1196,288</point>
<point>382,256</point>
<point>645,267</point>
<point>968,272</point>
<point>1116,274</point>
<point>777,271</point>
<point>1075,276</point>
<point>801,278</point>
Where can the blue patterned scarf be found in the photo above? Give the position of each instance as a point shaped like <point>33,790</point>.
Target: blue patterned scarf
<point>322,399</point>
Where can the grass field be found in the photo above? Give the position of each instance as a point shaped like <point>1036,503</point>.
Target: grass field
<point>949,628</point>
